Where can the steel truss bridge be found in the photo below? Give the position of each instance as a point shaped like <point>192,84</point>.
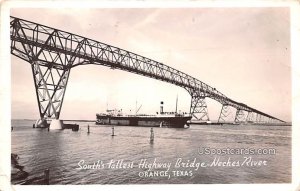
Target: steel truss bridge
<point>52,53</point>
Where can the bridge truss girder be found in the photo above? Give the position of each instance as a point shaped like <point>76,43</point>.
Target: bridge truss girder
<point>53,52</point>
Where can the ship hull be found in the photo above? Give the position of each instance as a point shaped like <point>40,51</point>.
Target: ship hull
<point>171,122</point>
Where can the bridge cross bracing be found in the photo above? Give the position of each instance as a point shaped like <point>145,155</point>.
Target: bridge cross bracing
<point>52,54</point>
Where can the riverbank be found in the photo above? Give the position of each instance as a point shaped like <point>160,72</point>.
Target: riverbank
<point>19,176</point>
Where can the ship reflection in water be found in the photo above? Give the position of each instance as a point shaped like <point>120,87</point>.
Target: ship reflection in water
<point>161,119</point>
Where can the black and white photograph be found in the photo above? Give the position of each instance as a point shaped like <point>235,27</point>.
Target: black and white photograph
<point>150,95</point>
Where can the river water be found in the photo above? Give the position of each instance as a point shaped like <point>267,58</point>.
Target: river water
<point>232,154</point>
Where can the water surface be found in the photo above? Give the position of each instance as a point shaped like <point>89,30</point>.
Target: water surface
<point>62,150</point>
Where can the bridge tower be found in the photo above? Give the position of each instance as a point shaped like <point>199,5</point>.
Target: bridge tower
<point>50,70</point>
<point>50,86</point>
<point>225,112</point>
<point>198,107</point>
<point>239,116</point>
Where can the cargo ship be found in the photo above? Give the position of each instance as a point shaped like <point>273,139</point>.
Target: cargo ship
<point>161,119</point>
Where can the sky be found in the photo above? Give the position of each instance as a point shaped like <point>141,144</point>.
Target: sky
<point>242,52</point>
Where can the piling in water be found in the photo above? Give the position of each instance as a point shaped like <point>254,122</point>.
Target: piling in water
<point>88,129</point>
<point>113,131</point>
<point>151,135</point>
<point>46,176</point>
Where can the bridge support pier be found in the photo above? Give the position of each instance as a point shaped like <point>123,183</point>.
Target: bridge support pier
<point>56,124</point>
<point>225,112</point>
<point>239,116</point>
<point>50,86</point>
<point>198,108</point>
<point>41,123</point>
<point>50,68</point>
<point>249,117</point>
<point>258,118</point>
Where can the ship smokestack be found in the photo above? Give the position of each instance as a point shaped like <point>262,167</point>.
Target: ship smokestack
<point>161,107</point>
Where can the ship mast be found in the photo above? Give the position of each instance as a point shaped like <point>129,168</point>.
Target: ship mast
<point>137,109</point>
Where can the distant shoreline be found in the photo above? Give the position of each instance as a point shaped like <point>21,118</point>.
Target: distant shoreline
<point>79,120</point>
